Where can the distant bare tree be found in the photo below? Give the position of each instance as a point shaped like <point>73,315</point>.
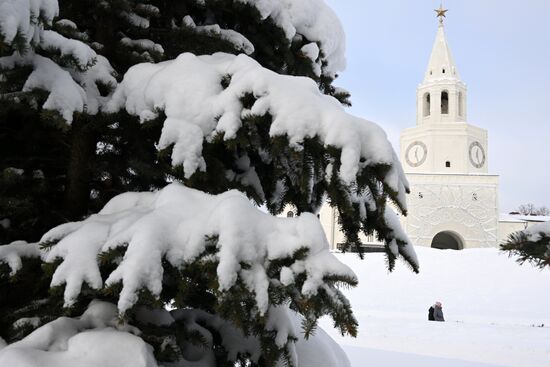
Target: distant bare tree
<point>527,209</point>
<point>543,210</point>
<point>531,209</point>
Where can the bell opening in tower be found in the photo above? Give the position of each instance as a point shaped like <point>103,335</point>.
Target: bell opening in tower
<point>426,105</point>
<point>444,103</point>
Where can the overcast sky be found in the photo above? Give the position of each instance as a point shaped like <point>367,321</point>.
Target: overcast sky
<point>502,52</point>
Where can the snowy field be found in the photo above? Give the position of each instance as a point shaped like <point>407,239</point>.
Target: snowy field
<point>494,311</point>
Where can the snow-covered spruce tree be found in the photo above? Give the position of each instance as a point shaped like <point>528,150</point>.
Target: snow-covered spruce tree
<point>531,245</point>
<point>81,165</point>
<point>229,112</point>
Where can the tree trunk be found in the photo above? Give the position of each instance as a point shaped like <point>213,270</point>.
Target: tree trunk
<point>82,154</point>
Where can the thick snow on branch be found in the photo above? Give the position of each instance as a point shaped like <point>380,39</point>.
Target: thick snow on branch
<point>311,51</point>
<point>314,20</point>
<point>318,350</point>
<point>239,41</point>
<point>142,44</point>
<point>68,341</point>
<point>12,254</point>
<point>174,223</point>
<point>392,221</point>
<point>531,244</point>
<point>71,89</point>
<point>535,232</point>
<point>26,18</point>
<point>232,338</point>
<point>189,90</point>
<point>96,339</point>
<point>136,20</point>
<point>82,53</point>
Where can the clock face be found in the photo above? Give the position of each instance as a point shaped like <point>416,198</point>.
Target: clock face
<point>477,155</point>
<point>416,153</point>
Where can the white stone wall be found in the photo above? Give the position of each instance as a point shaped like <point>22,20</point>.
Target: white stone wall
<point>512,223</point>
<point>465,205</point>
<point>329,220</point>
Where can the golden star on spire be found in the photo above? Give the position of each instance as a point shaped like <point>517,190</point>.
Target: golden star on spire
<point>441,13</point>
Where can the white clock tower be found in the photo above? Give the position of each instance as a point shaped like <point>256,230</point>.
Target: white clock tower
<point>453,201</point>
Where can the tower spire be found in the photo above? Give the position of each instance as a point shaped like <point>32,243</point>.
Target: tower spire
<point>441,14</point>
<point>442,94</point>
<point>441,64</point>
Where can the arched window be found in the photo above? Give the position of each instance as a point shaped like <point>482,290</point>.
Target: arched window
<point>443,70</point>
<point>290,214</point>
<point>426,104</point>
<point>444,102</point>
<point>460,104</point>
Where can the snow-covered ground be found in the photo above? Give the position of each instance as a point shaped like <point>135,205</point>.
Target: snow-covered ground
<point>494,310</point>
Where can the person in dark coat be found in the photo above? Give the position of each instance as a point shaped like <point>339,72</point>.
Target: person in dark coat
<point>438,312</point>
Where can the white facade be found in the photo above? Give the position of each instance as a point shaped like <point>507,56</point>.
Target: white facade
<point>452,210</point>
<point>329,220</point>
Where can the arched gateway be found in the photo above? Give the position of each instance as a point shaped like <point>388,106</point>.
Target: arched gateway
<point>448,240</point>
